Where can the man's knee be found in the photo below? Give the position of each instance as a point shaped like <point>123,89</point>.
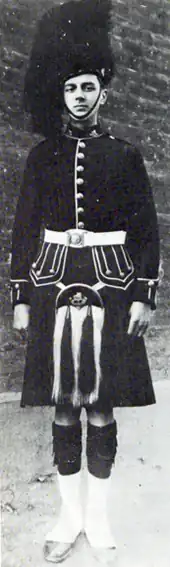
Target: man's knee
<point>100,419</point>
<point>66,415</point>
<point>101,449</point>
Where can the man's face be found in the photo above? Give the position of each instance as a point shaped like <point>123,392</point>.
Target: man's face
<point>81,93</point>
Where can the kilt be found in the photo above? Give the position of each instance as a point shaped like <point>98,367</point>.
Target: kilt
<point>125,374</point>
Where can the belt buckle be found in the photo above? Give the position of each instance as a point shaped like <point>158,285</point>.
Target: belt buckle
<point>75,238</point>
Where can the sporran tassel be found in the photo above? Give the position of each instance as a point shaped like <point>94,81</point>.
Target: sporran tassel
<point>77,352</point>
<point>57,339</point>
<point>78,317</point>
<point>98,322</point>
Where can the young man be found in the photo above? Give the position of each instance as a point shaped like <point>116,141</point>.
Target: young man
<point>91,286</point>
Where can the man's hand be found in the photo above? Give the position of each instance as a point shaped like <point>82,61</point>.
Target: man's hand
<point>21,317</point>
<point>140,315</point>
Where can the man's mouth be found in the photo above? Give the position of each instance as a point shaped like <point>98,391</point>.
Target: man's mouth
<point>81,107</point>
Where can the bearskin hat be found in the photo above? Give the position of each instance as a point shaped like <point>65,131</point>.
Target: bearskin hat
<point>71,39</point>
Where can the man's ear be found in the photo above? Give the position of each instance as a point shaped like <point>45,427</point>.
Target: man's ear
<point>103,97</point>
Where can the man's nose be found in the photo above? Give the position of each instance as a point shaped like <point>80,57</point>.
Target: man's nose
<point>79,94</point>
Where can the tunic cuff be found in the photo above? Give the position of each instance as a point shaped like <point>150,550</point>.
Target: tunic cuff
<point>20,292</point>
<point>145,291</point>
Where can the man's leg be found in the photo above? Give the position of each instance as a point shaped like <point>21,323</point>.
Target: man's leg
<point>66,431</point>
<point>101,451</point>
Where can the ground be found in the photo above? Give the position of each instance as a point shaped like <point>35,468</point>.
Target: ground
<point>139,503</point>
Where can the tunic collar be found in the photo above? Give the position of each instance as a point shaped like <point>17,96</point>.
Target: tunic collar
<point>91,132</point>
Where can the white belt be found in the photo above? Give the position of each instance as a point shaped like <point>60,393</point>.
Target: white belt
<point>78,238</point>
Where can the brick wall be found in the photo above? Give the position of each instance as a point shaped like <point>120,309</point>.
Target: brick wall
<point>137,109</point>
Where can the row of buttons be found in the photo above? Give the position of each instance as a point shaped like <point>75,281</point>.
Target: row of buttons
<point>79,182</point>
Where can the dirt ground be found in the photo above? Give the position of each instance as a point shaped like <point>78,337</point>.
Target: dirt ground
<point>140,498</point>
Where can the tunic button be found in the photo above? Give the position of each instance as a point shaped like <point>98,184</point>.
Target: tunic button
<point>80,224</point>
<point>80,196</point>
<point>82,145</point>
<point>151,283</point>
<point>80,181</point>
<point>80,155</point>
<point>17,286</point>
<point>80,210</point>
<point>80,168</point>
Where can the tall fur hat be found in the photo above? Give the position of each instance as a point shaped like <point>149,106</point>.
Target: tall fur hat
<point>71,39</point>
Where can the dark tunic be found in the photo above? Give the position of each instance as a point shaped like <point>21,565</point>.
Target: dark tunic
<point>97,183</point>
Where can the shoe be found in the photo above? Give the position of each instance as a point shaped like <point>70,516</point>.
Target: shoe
<point>57,552</point>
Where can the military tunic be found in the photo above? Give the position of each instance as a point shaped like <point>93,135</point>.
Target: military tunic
<point>88,184</point>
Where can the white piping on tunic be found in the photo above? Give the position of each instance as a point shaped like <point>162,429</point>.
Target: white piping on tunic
<point>149,292</point>
<point>117,262</point>
<point>95,252</point>
<point>104,258</point>
<point>86,137</point>
<point>17,288</point>
<point>113,285</point>
<point>18,294</point>
<point>129,266</point>
<point>19,281</point>
<point>54,260</point>
<point>40,256</point>
<point>32,273</point>
<point>151,283</point>
<point>155,280</point>
<point>64,250</point>
<point>75,182</point>
<point>44,260</point>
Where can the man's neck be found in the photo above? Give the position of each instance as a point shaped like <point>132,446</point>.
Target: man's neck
<point>83,124</point>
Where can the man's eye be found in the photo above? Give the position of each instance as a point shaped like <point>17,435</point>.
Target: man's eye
<point>69,89</point>
<point>89,88</point>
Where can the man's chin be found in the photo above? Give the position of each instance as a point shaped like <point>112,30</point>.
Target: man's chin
<point>80,113</point>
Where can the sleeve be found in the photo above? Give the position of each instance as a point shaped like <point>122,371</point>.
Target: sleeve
<point>143,233</point>
<point>26,231</point>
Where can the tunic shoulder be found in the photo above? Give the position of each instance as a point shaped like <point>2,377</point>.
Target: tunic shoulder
<point>129,151</point>
<point>39,151</point>
<point>124,144</point>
